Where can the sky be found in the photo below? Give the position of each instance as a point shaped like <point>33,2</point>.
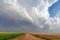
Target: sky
<point>54,9</point>
<point>30,16</point>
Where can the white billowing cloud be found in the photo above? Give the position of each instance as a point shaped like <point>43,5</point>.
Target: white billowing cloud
<point>10,2</point>
<point>51,2</point>
<point>30,15</point>
<point>42,15</point>
<point>53,23</point>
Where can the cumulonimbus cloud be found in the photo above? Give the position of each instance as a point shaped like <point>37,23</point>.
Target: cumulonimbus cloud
<point>30,15</point>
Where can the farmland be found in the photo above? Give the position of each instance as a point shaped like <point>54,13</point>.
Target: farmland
<point>28,36</point>
<point>48,36</point>
<point>5,36</point>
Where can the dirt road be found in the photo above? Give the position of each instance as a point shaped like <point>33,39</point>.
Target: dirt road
<point>27,37</point>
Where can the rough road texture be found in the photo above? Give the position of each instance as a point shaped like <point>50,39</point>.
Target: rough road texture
<point>27,37</point>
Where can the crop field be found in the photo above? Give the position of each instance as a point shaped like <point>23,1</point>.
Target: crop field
<point>23,36</point>
<point>5,36</point>
<point>48,36</point>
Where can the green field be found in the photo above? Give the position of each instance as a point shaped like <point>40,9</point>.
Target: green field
<point>5,36</point>
<point>48,36</point>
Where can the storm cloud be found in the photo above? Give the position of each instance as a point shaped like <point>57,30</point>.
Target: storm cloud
<point>27,16</point>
